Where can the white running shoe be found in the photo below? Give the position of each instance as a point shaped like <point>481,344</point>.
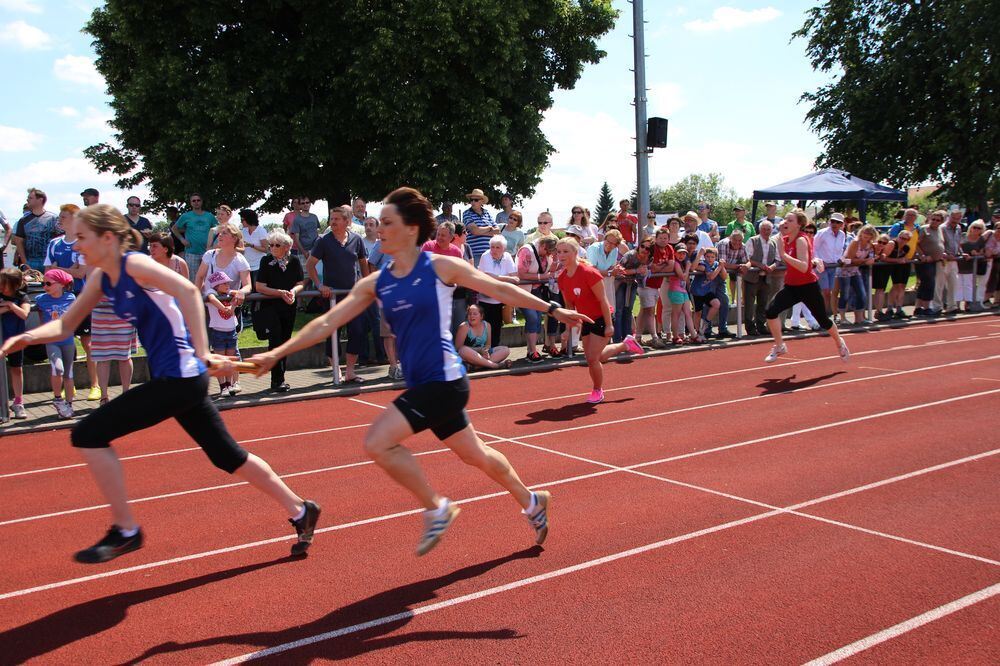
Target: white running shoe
<point>63,408</point>
<point>540,518</point>
<point>435,526</point>
<point>776,351</point>
<point>845,353</point>
<point>19,412</point>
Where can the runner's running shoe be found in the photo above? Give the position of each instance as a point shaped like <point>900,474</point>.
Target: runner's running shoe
<point>845,353</point>
<point>540,518</point>
<point>632,345</point>
<point>111,546</point>
<point>596,396</point>
<point>305,526</point>
<point>776,351</point>
<point>435,525</point>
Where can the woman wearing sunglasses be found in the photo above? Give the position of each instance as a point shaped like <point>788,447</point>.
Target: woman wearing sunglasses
<point>280,276</point>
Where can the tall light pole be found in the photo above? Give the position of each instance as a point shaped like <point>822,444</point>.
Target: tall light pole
<point>641,150</point>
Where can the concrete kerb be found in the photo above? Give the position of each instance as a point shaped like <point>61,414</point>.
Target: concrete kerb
<point>328,390</point>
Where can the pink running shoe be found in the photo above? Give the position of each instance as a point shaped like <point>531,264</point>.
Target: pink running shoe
<point>596,396</point>
<point>632,345</point>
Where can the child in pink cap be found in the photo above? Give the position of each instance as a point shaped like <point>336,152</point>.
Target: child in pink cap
<point>53,304</point>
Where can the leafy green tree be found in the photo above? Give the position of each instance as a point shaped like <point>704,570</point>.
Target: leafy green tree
<point>913,95</point>
<point>686,194</point>
<point>251,101</point>
<point>605,204</point>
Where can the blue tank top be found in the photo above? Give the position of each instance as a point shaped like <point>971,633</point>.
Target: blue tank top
<point>418,309</point>
<point>158,319</point>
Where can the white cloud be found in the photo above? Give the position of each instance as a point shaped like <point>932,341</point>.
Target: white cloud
<point>67,112</point>
<point>96,119</point>
<point>24,36</point>
<point>20,6</point>
<point>727,19</point>
<point>663,99</point>
<point>78,69</point>
<point>16,139</point>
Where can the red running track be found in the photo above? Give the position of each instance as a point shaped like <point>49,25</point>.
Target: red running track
<point>714,509</point>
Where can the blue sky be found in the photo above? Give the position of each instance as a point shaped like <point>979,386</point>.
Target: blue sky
<point>725,74</point>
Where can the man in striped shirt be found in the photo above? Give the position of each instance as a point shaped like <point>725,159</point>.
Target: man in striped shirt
<point>479,224</point>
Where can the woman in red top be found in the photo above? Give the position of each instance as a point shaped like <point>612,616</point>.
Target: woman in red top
<point>795,249</point>
<point>583,290</point>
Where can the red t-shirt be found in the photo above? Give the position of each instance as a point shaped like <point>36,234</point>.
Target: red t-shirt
<point>451,251</point>
<point>793,276</point>
<point>578,290</point>
<point>288,219</point>
<point>661,255</point>
<point>627,225</point>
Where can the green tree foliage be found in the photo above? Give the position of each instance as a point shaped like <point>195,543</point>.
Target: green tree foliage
<point>250,101</point>
<point>914,91</point>
<point>605,204</point>
<point>686,194</point>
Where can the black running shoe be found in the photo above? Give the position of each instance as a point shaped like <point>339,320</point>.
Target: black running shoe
<point>111,546</point>
<point>304,527</point>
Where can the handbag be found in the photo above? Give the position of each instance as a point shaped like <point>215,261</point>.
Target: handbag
<point>542,291</point>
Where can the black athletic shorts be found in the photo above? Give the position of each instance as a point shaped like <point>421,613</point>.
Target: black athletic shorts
<point>597,328</point>
<point>83,328</point>
<point>437,406</point>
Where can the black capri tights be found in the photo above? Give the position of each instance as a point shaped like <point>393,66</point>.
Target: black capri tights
<point>807,294</point>
<point>185,399</point>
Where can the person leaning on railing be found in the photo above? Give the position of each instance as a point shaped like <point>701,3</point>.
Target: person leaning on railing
<point>534,269</point>
<point>281,277</point>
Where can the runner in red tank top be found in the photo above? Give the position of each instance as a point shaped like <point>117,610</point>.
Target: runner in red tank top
<point>801,285</point>
<point>582,287</point>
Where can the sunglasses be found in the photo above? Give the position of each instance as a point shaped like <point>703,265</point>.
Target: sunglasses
<point>131,205</point>
<point>275,245</point>
<point>578,212</point>
<point>546,222</point>
<point>49,284</point>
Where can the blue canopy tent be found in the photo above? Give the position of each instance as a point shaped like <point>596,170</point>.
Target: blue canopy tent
<point>830,185</point>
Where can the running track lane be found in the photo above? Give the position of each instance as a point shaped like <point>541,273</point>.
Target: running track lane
<point>157,476</point>
<point>546,553</point>
<point>339,415</point>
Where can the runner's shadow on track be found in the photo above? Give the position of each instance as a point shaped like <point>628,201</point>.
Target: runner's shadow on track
<point>68,625</point>
<point>789,384</point>
<point>566,412</point>
<point>362,626</point>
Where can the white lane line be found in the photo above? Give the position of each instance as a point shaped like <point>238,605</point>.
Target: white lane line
<point>474,596</point>
<point>492,439</point>
<point>734,401</point>
<point>793,510</point>
<point>872,367</point>
<point>477,409</point>
<point>366,403</point>
<point>190,448</point>
<point>906,626</point>
<point>481,594</point>
<point>987,379</point>
<point>967,337</point>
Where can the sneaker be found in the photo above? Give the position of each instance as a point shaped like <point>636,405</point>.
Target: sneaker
<point>392,372</point>
<point>657,343</point>
<point>63,408</point>
<point>399,372</point>
<point>883,316</point>
<point>111,546</point>
<point>534,357</point>
<point>18,410</point>
<point>305,526</point>
<point>235,389</point>
<point>632,345</point>
<point>281,388</point>
<point>845,353</point>
<point>540,518</point>
<point>596,396</point>
<point>224,390</point>
<point>95,393</point>
<point>776,351</point>
<point>900,314</point>
<point>435,525</point>
<point>919,312</point>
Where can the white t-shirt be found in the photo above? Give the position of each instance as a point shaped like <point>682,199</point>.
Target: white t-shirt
<point>488,264</point>
<point>216,321</point>
<point>258,237</point>
<point>233,270</point>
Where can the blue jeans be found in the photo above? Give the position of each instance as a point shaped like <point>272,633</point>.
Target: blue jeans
<point>625,293</point>
<point>852,293</point>
<point>532,320</point>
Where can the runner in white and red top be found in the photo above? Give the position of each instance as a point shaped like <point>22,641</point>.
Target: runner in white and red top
<point>801,285</point>
<point>582,287</point>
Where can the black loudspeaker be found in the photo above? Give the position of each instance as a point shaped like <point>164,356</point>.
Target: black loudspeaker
<point>656,133</point>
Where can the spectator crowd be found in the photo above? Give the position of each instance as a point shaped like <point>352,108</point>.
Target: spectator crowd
<point>673,283</point>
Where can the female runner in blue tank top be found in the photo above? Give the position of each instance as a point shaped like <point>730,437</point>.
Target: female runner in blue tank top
<point>159,303</point>
<point>415,291</point>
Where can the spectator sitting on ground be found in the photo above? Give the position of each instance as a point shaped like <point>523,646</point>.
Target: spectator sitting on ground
<point>161,249</point>
<point>474,342</point>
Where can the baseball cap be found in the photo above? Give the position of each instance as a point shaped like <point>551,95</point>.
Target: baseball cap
<point>836,217</point>
<point>217,278</point>
<point>90,192</point>
<point>739,207</point>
